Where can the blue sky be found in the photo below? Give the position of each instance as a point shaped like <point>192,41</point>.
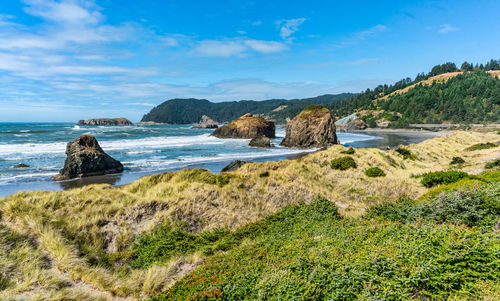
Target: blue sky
<point>75,59</point>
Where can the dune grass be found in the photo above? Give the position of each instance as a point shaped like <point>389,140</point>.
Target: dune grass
<point>79,242</point>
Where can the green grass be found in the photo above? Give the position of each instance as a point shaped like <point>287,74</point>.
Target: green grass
<point>314,108</point>
<point>406,153</point>
<point>343,163</point>
<point>442,177</point>
<point>481,146</point>
<point>374,172</point>
<point>457,161</point>
<point>306,252</point>
<point>492,164</point>
<point>349,151</point>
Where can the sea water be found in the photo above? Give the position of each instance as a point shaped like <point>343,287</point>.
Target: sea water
<point>144,149</point>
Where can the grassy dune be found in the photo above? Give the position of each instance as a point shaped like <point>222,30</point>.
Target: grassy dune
<point>78,243</point>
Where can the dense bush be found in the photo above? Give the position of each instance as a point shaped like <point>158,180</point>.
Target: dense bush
<point>264,174</point>
<point>406,153</point>
<point>480,146</point>
<point>492,164</point>
<point>457,160</point>
<point>480,206</point>
<point>343,163</point>
<point>308,253</point>
<point>442,177</point>
<point>349,151</point>
<point>374,172</point>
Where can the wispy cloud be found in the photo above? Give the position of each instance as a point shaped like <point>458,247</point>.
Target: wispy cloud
<point>446,28</point>
<point>362,35</point>
<point>288,27</point>
<point>237,47</point>
<point>256,23</point>
<point>361,61</point>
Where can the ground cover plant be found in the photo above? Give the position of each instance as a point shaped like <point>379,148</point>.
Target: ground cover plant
<point>481,146</point>
<point>457,161</point>
<point>349,151</point>
<point>327,257</point>
<point>343,163</point>
<point>374,172</point>
<point>406,153</point>
<point>492,164</point>
<point>442,177</point>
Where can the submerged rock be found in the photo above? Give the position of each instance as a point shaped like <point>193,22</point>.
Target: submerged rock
<point>105,121</point>
<point>313,127</point>
<point>356,125</point>
<point>260,142</point>
<point>247,126</point>
<point>206,123</point>
<point>233,165</point>
<point>20,165</point>
<point>86,158</point>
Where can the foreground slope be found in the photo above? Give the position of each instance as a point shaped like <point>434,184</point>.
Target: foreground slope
<point>100,241</point>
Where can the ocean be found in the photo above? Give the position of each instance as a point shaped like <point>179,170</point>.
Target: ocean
<point>143,150</point>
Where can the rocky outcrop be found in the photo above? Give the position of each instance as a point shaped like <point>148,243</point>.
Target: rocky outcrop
<point>234,165</point>
<point>247,126</point>
<point>105,121</point>
<point>86,158</point>
<point>356,125</point>
<point>20,165</point>
<point>206,123</point>
<point>313,127</point>
<point>260,142</point>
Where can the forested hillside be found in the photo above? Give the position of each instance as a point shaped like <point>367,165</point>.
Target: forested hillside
<point>185,111</point>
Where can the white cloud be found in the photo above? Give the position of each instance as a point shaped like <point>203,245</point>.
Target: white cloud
<point>170,42</point>
<point>241,32</point>
<point>256,23</point>
<point>446,28</point>
<point>288,27</point>
<point>236,47</point>
<point>362,35</point>
<point>63,11</point>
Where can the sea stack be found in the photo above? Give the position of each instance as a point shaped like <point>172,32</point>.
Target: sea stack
<point>247,126</point>
<point>206,123</point>
<point>105,121</point>
<point>85,158</point>
<point>313,127</point>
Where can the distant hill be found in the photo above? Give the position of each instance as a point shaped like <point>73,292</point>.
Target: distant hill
<point>190,110</point>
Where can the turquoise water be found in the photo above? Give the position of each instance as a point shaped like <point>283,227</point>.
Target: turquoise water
<point>143,150</point>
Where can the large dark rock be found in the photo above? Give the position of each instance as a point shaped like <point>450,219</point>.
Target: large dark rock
<point>206,123</point>
<point>20,165</point>
<point>234,165</point>
<point>260,142</point>
<point>356,125</point>
<point>86,158</point>
<point>105,121</point>
<point>247,126</point>
<point>313,127</point>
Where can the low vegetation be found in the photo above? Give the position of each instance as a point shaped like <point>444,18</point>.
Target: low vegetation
<point>170,230</point>
<point>457,161</point>
<point>492,164</point>
<point>406,153</point>
<point>442,177</point>
<point>343,163</point>
<point>349,151</point>
<point>374,172</point>
<point>481,146</point>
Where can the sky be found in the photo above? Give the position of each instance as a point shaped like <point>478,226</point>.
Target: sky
<point>65,60</point>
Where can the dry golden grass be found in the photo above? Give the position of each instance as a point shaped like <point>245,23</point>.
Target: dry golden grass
<point>438,78</point>
<point>52,243</point>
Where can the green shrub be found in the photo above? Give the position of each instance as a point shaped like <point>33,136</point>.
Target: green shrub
<point>480,146</point>
<point>457,160</point>
<point>374,172</point>
<point>343,163</point>
<point>349,151</point>
<point>492,164</point>
<point>265,174</point>
<point>442,177</point>
<point>406,153</point>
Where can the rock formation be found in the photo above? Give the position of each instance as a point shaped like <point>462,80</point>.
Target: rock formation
<point>233,165</point>
<point>247,126</point>
<point>356,125</point>
<point>206,123</point>
<point>313,127</point>
<point>20,165</point>
<point>260,142</point>
<point>105,121</point>
<point>86,158</point>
